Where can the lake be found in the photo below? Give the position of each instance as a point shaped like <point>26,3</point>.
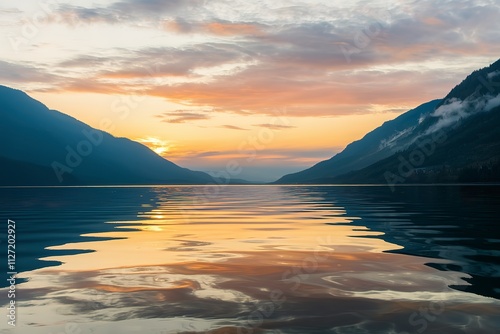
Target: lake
<point>254,259</point>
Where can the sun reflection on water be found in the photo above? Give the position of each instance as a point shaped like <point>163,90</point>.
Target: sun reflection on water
<point>218,262</point>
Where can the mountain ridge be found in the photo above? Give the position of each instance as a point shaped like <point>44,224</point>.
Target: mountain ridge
<point>468,119</point>
<point>364,151</point>
<point>34,135</point>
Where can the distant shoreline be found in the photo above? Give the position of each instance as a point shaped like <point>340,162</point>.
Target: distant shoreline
<point>256,185</point>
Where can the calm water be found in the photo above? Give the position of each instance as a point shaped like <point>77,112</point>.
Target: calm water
<point>254,259</point>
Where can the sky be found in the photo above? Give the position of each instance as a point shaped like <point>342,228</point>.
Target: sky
<point>275,85</point>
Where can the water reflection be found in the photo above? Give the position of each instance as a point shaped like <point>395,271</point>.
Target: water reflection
<point>55,216</point>
<point>448,222</point>
<point>259,259</point>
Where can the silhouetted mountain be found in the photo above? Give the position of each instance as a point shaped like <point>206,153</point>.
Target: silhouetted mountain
<point>19,173</point>
<point>374,146</point>
<point>454,140</point>
<point>468,153</point>
<point>46,147</point>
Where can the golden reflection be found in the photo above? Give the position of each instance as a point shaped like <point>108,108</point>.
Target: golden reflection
<point>171,243</point>
<point>208,266</point>
<point>178,229</point>
<point>152,228</point>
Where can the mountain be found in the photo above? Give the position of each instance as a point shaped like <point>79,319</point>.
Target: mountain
<point>455,139</point>
<point>39,146</point>
<point>374,146</point>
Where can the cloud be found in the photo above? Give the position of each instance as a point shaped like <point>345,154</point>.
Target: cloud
<point>492,103</point>
<point>260,90</point>
<point>183,116</point>
<point>304,65</point>
<point>275,126</point>
<point>124,11</point>
<point>300,157</point>
<point>165,61</point>
<point>232,127</point>
<point>493,74</point>
<point>153,6</point>
<point>151,63</point>
<point>208,154</point>
<point>456,110</point>
<point>91,61</point>
<point>88,85</point>
<point>218,28</point>
<point>449,114</point>
<point>24,73</point>
<point>393,140</point>
<point>7,11</point>
<point>231,29</point>
<point>315,60</point>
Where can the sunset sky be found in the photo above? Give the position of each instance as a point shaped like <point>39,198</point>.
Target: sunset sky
<point>276,85</point>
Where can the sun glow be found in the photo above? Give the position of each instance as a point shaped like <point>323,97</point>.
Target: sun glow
<point>156,145</point>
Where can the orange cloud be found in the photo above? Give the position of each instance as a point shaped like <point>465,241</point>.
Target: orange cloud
<point>262,92</point>
<point>433,21</point>
<point>232,29</point>
<point>219,28</point>
<point>299,65</point>
<point>184,116</point>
